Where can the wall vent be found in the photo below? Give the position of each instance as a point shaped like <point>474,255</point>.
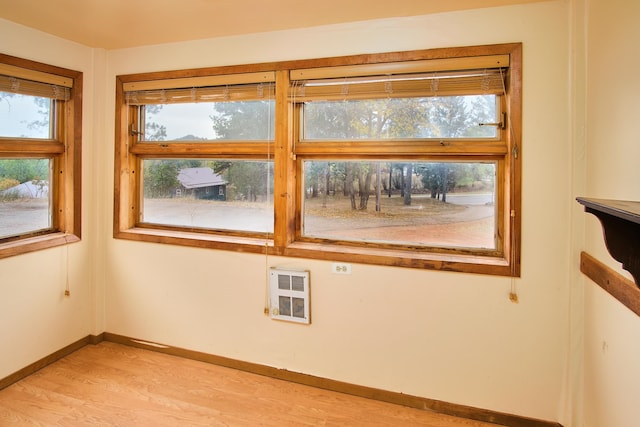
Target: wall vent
<point>289,295</point>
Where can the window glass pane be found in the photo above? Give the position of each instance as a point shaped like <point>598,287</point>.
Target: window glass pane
<point>237,120</point>
<point>438,204</point>
<point>24,116</point>
<point>212,194</point>
<point>25,205</point>
<point>398,118</point>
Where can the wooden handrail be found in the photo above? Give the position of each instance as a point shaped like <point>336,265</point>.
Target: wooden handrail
<point>621,288</point>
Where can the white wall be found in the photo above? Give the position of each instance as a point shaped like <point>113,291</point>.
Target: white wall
<point>35,317</point>
<point>573,404</point>
<point>448,336</point>
<point>612,332</point>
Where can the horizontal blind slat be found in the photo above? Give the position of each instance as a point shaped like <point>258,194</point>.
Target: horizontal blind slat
<point>202,81</point>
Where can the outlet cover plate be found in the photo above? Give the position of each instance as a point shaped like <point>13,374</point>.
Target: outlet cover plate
<point>341,268</point>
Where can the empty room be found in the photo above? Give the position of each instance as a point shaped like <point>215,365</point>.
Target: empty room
<point>319,213</point>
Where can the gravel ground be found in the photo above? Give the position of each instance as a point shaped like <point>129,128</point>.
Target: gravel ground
<point>23,215</point>
<point>471,225</point>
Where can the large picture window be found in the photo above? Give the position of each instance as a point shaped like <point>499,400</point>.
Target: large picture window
<point>40,141</point>
<point>407,159</point>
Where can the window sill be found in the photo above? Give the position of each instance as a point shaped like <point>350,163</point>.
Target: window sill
<point>477,264</point>
<point>36,243</point>
<point>401,258</point>
<point>193,239</point>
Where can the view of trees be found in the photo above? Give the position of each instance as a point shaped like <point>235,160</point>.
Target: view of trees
<point>33,122</point>
<point>247,180</point>
<point>23,170</point>
<point>153,131</point>
<point>243,120</point>
<point>359,180</point>
<point>24,116</point>
<point>394,118</point>
<point>400,118</point>
<point>161,176</point>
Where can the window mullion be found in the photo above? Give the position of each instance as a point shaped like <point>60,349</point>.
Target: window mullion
<point>202,149</point>
<point>16,148</point>
<point>384,148</point>
<point>284,165</point>
<point>129,176</point>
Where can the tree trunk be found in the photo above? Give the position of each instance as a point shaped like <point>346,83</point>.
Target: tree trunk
<point>348,179</point>
<point>326,185</point>
<point>348,186</point>
<point>378,186</point>
<point>407,181</point>
<point>445,173</point>
<point>365,186</point>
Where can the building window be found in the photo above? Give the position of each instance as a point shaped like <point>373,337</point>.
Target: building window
<point>407,159</point>
<point>40,142</point>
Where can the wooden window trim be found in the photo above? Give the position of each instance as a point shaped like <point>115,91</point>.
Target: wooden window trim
<point>66,153</point>
<point>284,241</point>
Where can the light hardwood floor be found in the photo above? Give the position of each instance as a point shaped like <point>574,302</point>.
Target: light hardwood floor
<point>115,385</point>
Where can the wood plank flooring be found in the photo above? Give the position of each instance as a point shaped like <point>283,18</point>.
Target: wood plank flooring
<point>115,385</point>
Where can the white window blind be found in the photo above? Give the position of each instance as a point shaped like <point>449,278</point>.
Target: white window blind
<point>233,87</point>
<point>438,77</point>
<point>34,83</point>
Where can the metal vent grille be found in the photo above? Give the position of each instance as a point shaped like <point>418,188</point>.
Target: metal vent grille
<point>289,295</point>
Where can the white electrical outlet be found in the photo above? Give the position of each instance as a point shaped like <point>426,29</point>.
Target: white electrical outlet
<point>341,268</point>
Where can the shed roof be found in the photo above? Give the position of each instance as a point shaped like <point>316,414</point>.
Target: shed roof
<point>199,177</point>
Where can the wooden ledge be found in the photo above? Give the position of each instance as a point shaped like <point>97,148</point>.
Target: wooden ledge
<point>621,288</point>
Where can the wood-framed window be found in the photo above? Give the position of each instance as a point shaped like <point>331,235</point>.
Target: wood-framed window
<point>407,159</point>
<point>40,155</point>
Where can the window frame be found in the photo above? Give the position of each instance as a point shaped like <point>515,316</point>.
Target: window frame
<point>288,154</point>
<point>65,152</point>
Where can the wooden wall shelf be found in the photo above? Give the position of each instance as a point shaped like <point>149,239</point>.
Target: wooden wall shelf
<point>621,226</point>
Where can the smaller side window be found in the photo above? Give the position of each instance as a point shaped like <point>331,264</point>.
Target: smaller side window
<point>40,142</point>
